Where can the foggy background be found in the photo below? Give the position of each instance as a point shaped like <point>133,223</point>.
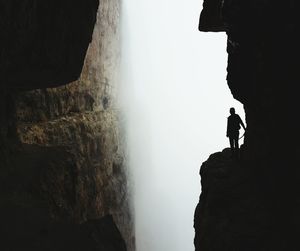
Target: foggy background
<point>176,102</point>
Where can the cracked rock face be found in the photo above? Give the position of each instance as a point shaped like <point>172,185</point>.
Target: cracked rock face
<point>263,47</point>
<point>64,158</point>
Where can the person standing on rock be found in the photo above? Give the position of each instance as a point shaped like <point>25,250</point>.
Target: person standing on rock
<point>234,123</point>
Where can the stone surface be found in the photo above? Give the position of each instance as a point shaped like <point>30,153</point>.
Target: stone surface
<point>62,148</point>
<point>211,16</point>
<point>231,214</point>
<point>45,234</point>
<point>262,74</point>
<point>43,43</point>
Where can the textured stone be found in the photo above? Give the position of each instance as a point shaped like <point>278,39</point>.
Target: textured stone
<point>43,43</point>
<point>263,48</point>
<point>64,156</point>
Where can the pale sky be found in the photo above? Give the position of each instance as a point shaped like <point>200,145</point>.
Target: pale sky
<point>176,101</point>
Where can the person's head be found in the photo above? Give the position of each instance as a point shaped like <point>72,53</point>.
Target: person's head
<point>232,111</point>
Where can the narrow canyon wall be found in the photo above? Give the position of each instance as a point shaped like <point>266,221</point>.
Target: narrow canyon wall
<point>253,204</point>
<point>43,43</point>
<point>62,147</point>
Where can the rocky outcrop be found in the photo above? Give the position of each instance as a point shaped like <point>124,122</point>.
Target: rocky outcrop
<point>64,164</point>
<point>44,43</point>
<point>262,74</point>
<point>211,16</point>
<point>234,211</point>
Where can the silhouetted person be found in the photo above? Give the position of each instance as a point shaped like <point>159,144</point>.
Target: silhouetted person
<point>234,123</point>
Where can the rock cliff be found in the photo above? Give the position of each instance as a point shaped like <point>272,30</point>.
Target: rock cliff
<point>63,161</point>
<point>253,205</point>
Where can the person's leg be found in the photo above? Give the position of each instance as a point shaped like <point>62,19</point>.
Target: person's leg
<point>232,145</point>
<point>236,145</point>
<point>231,141</point>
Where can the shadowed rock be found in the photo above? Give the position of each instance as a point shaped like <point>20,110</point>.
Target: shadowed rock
<point>263,73</point>
<point>211,17</point>
<point>62,163</point>
<point>43,43</point>
<point>243,207</point>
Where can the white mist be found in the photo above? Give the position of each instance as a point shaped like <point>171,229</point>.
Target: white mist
<point>176,101</point>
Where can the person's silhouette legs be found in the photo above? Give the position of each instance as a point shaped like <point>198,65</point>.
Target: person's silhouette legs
<point>234,145</point>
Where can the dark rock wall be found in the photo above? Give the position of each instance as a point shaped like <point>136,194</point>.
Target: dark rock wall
<point>63,161</point>
<point>263,48</point>
<point>43,43</point>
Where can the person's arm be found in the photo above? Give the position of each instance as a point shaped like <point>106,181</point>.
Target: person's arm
<point>242,123</point>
